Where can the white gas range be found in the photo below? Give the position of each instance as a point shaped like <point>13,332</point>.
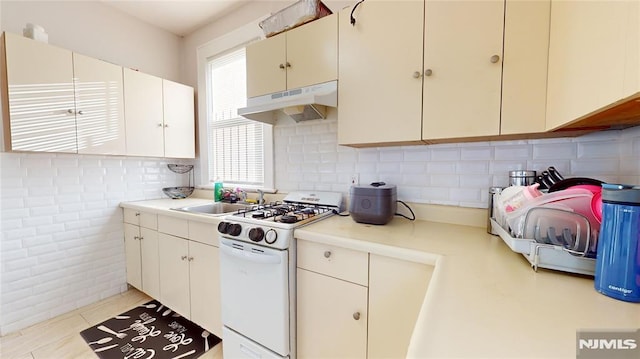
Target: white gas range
<point>257,273</point>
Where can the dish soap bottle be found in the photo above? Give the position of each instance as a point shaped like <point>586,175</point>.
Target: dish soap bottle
<point>218,190</point>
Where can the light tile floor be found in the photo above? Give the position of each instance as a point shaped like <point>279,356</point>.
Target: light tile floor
<point>59,338</point>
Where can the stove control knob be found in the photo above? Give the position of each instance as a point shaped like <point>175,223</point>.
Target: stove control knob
<point>256,234</point>
<point>271,236</point>
<point>234,229</point>
<point>223,227</point>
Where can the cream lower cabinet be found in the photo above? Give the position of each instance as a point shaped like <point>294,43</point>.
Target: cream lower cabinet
<point>189,275</point>
<point>141,251</point>
<point>353,304</point>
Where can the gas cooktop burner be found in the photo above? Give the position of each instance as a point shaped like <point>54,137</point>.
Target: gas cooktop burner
<point>288,219</point>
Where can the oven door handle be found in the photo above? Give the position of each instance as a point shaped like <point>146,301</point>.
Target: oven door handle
<point>263,258</point>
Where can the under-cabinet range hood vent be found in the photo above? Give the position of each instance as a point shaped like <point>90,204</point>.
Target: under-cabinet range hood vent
<point>305,103</point>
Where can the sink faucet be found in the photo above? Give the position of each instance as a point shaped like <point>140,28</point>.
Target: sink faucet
<point>260,196</point>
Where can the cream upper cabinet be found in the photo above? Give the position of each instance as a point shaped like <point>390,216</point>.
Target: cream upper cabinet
<point>524,69</point>
<point>99,106</point>
<point>380,67</point>
<point>38,101</point>
<point>179,120</point>
<point>462,68</point>
<point>303,56</point>
<point>594,57</point>
<point>143,114</point>
<point>61,101</point>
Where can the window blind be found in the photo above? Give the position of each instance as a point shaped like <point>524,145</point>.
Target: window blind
<point>236,145</point>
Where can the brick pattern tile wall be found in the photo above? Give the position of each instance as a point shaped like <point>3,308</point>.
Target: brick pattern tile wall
<point>307,157</point>
<point>61,244</point>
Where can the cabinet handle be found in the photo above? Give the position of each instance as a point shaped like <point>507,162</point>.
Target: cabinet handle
<point>79,112</point>
<point>136,238</point>
<point>140,238</point>
<point>417,75</point>
<point>159,125</point>
<point>356,315</point>
<point>70,111</point>
<point>190,259</point>
<point>183,257</point>
<point>281,66</point>
<point>494,59</point>
<point>428,72</point>
<point>166,125</point>
<point>288,64</point>
<point>137,214</point>
<point>327,254</point>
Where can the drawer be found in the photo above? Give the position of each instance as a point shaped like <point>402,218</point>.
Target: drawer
<point>174,226</point>
<point>142,219</point>
<point>337,262</point>
<point>206,233</point>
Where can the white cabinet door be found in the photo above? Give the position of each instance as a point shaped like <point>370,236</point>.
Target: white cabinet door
<point>524,71</point>
<point>266,66</point>
<point>99,106</point>
<point>331,317</point>
<point>150,263</point>
<point>380,100</point>
<point>143,114</point>
<point>179,120</point>
<point>133,257</point>
<point>589,58</point>
<point>41,108</point>
<point>204,263</point>
<point>174,274</point>
<point>463,68</point>
<point>392,316</point>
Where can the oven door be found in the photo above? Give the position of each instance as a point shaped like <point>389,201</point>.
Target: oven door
<point>255,293</point>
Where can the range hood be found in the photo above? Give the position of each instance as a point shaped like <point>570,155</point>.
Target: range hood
<point>305,103</point>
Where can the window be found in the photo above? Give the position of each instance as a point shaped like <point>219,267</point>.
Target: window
<point>233,149</point>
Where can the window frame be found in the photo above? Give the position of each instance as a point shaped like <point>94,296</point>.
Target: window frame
<point>219,46</point>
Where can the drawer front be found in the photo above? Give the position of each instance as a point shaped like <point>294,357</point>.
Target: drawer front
<point>149,220</point>
<point>206,233</point>
<point>342,263</point>
<point>174,226</point>
<point>131,216</point>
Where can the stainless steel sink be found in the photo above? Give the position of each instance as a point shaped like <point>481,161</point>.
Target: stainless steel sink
<point>215,208</point>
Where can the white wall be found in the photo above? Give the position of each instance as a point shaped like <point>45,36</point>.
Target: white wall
<point>61,232</point>
<point>94,29</point>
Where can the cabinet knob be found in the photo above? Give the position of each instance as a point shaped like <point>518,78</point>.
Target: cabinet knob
<point>166,125</point>
<point>494,59</point>
<point>70,111</point>
<point>140,238</point>
<point>159,125</point>
<point>327,254</point>
<point>281,66</point>
<point>137,214</point>
<point>417,75</point>
<point>190,259</point>
<point>356,315</point>
<point>428,72</point>
<point>80,112</point>
<point>288,64</point>
<point>136,237</point>
<point>183,257</point>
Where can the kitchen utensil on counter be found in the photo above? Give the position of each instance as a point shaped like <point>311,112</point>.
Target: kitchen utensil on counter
<point>493,193</point>
<point>375,203</point>
<point>570,230</point>
<point>617,273</point>
<point>522,178</point>
<point>554,174</point>
<point>596,206</point>
<point>574,181</point>
<point>179,192</point>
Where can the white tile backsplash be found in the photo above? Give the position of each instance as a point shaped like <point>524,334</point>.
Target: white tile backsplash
<point>61,234</point>
<point>452,174</point>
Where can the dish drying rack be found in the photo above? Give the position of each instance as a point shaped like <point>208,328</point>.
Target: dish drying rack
<point>547,256</point>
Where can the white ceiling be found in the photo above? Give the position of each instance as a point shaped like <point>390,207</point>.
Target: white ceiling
<point>180,17</point>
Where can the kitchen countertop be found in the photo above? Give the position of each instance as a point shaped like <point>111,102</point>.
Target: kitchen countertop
<point>483,300</point>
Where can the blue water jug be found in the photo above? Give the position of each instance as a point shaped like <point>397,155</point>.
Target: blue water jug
<point>617,272</point>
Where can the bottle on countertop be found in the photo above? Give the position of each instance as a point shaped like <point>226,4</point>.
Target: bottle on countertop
<point>218,190</point>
